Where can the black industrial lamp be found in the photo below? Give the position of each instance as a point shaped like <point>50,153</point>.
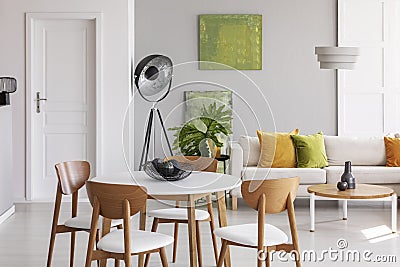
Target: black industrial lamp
<point>153,79</point>
<point>7,85</point>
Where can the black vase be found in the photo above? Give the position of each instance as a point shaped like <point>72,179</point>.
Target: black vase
<point>347,176</point>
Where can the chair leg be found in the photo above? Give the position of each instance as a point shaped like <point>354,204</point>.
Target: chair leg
<point>128,262</point>
<point>298,263</point>
<point>224,248</point>
<point>72,250</point>
<point>293,229</point>
<point>97,241</point>
<point>153,229</point>
<point>93,234</point>
<point>268,259</point>
<point>175,247</point>
<point>147,259</point>
<point>212,228</point>
<point>214,242</point>
<point>163,257</point>
<point>51,247</point>
<point>198,241</point>
<point>260,263</point>
<point>57,206</point>
<point>116,263</point>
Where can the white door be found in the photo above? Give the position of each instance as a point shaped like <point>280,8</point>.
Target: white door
<point>369,96</point>
<point>63,74</point>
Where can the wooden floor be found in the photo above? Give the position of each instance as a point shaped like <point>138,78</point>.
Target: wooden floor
<point>24,237</point>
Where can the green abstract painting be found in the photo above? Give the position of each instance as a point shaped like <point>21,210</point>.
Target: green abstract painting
<point>233,40</point>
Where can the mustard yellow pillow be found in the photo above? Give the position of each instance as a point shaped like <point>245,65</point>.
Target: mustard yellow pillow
<point>392,146</point>
<point>277,150</point>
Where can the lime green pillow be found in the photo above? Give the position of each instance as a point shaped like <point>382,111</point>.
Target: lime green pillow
<point>310,150</point>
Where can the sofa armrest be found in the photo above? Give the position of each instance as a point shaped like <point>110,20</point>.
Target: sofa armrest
<point>235,168</point>
<point>236,159</point>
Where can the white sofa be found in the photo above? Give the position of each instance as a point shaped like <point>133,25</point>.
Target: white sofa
<point>368,157</point>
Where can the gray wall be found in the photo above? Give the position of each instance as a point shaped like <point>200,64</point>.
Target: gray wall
<point>298,92</point>
<point>6,180</point>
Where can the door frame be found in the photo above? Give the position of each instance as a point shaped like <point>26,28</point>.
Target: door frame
<point>30,19</point>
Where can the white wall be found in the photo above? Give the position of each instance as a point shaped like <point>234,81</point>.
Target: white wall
<point>116,63</point>
<point>6,179</point>
<point>300,94</point>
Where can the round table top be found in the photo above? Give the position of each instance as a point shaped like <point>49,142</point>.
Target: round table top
<point>223,157</point>
<point>362,191</point>
<point>196,183</point>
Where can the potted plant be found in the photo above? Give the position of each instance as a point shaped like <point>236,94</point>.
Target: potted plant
<point>204,135</point>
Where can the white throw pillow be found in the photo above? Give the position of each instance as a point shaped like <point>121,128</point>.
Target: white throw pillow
<point>251,150</point>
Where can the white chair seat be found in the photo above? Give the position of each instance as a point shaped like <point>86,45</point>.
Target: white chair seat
<point>84,222</point>
<point>141,241</point>
<point>178,214</point>
<point>247,234</point>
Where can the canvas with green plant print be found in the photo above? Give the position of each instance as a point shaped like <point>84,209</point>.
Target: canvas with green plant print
<point>208,123</point>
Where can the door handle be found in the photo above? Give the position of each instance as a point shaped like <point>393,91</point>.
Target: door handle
<point>38,99</point>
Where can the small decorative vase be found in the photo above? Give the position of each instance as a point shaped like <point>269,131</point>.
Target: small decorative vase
<point>218,152</point>
<point>341,186</point>
<point>347,176</point>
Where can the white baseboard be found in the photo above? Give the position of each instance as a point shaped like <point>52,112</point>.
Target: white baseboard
<point>7,214</point>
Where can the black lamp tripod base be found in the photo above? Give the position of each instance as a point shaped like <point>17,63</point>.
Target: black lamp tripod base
<point>146,145</point>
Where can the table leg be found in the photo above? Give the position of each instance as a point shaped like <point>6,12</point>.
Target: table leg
<point>192,232</point>
<point>344,207</point>
<point>224,167</point>
<point>223,222</point>
<point>312,212</point>
<point>142,226</point>
<point>394,213</point>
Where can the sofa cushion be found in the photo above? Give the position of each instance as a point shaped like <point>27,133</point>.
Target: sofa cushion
<point>365,174</point>
<point>251,150</point>
<point>310,150</point>
<point>307,175</point>
<point>277,150</point>
<point>360,151</point>
<point>392,146</point>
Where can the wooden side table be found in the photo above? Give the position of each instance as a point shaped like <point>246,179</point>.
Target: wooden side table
<point>361,192</point>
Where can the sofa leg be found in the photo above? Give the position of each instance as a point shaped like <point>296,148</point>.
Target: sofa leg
<point>234,202</point>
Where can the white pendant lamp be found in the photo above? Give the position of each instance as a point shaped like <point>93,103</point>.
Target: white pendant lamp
<point>337,57</point>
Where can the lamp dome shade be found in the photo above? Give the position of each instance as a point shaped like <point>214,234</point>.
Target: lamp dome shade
<point>152,75</point>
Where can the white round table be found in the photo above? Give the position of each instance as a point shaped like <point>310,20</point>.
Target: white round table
<point>196,186</point>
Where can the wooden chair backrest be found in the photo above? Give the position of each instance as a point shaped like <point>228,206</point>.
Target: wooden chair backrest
<point>111,198</point>
<point>200,163</point>
<point>72,175</point>
<point>276,192</point>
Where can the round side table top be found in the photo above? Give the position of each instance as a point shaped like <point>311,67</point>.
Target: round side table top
<point>222,157</point>
<point>362,191</point>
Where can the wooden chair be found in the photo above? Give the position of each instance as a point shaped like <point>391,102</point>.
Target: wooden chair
<point>178,215</point>
<point>71,175</point>
<point>267,197</point>
<point>114,201</point>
